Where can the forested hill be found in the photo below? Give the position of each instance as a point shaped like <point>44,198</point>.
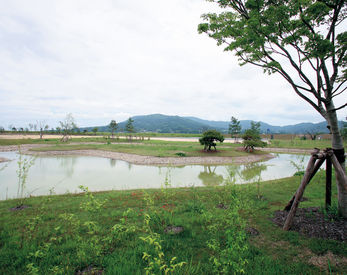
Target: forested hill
<point>176,124</point>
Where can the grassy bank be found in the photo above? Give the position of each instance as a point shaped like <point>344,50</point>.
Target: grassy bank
<point>128,232</point>
<point>153,148</point>
<point>301,144</point>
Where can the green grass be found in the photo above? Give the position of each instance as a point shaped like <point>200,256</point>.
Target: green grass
<point>108,230</point>
<point>48,140</point>
<point>301,144</point>
<point>153,148</point>
<point>275,143</point>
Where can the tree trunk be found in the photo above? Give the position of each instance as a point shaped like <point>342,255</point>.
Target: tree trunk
<point>337,145</point>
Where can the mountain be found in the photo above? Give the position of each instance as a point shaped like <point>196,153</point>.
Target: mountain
<point>164,124</point>
<point>301,128</point>
<point>159,123</point>
<point>176,124</point>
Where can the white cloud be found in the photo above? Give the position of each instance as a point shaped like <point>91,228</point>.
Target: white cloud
<point>103,60</point>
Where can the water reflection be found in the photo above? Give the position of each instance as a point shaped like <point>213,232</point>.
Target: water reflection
<point>68,164</point>
<point>209,177</point>
<point>252,172</point>
<point>59,174</point>
<point>233,173</point>
<point>113,162</point>
<point>3,166</point>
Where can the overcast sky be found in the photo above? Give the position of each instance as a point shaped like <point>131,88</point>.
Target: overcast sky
<point>112,59</point>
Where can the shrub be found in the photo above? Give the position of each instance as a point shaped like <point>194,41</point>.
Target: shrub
<point>209,139</point>
<point>251,137</point>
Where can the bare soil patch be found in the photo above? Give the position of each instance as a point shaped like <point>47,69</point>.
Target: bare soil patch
<point>19,207</point>
<point>311,222</point>
<point>90,270</point>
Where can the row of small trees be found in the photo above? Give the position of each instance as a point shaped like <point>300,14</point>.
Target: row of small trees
<point>66,127</point>
<point>129,127</point>
<point>251,137</point>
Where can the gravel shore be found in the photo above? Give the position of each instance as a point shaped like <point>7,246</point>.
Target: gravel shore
<point>138,159</point>
<point>3,160</point>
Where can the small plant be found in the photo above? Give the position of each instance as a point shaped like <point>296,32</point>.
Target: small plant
<point>195,207</point>
<point>24,165</point>
<point>331,213</point>
<point>299,166</point>
<point>299,163</point>
<point>92,204</point>
<point>165,188</point>
<point>227,237</point>
<point>122,230</point>
<point>181,154</point>
<point>156,260</point>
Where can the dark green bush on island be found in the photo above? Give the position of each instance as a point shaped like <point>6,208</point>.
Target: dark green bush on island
<point>251,137</point>
<point>209,139</point>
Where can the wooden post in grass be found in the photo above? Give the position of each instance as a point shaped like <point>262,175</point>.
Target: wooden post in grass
<point>340,173</point>
<point>317,165</point>
<point>307,176</point>
<point>312,168</point>
<point>328,175</point>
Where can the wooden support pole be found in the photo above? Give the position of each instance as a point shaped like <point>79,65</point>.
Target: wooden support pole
<point>328,176</point>
<point>300,192</point>
<point>340,173</point>
<point>316,168</point>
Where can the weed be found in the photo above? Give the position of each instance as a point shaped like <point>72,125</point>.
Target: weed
<point>65,234</point>
<point>332,212</point>
<point>92,204</point>
<point>156,263</point>
<point>24,165</point>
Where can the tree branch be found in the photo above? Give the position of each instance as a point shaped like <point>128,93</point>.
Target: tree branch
<point>342,106</point>
<point>344,89</point>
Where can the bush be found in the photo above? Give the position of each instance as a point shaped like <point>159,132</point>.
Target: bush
<point>251,137</point>
<point>209,139</point>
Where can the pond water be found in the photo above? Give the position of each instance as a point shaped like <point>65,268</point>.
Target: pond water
<point>63,174</point>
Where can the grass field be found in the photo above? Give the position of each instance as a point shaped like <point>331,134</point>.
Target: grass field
<point>158,149</point>
<point>302,144</point>
<point>124,232</point>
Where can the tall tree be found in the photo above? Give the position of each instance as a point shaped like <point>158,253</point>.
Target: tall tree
<point>234,127</point>
<point>94,130</point>
<point>113,126</point>
<point>129,127</point>
<point>42,126</point>
<point>31,126</point>
<point>251,137</point>
<point>255,127</point>
<point>66,126</point>
<point>303,41</point>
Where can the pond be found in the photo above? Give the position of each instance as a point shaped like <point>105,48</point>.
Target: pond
<point>63,174</point>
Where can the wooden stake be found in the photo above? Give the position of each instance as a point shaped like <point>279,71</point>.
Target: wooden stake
<point>299,193</point>
<point>328,176</point>
<point>316,168</point>
<point>340,173</point>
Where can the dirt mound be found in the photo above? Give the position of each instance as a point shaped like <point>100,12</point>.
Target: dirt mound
<point>311,222</point>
